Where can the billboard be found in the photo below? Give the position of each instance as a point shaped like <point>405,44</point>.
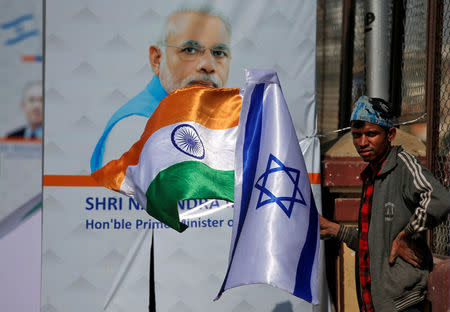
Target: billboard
<point>108,63</point>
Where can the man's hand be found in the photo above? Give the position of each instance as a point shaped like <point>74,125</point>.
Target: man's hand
<point>404,247</point>
<point>327,228</point>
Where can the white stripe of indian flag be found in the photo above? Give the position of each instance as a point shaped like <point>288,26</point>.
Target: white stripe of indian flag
<point>160,153</point>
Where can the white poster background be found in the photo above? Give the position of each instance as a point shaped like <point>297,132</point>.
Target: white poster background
<point>96,60</point>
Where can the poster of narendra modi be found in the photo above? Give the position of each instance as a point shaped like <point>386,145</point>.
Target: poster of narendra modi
<point>108,65</point>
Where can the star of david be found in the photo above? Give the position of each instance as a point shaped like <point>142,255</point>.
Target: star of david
<point>286,203</point>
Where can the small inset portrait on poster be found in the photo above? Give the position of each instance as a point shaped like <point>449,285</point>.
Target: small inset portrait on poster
<point>31,106</point>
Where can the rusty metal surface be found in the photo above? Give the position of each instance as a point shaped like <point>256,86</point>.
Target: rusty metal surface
<point>438,287</point>
<point>346,209</point>
<point>342,171</point>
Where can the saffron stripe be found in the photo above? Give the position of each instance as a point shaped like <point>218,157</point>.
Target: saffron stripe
<point>169,187</point>
<point>31,58</point>
<point>69,180</point>
<point>88,181</point>
<point>213,108</point>
<point>314,178</point>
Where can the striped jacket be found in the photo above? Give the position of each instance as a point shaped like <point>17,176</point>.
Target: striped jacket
<point>407,197</point>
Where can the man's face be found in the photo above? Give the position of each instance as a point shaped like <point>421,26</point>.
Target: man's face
<point>189,30</point>
<point>372,141</point>
<point>32,105</point>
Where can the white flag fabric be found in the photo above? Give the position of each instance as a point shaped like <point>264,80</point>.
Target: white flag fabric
<point>275,238</point>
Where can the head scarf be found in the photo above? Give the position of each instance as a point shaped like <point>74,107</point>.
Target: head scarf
<point>373,110</point>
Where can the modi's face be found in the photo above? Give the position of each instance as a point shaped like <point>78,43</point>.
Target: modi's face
<point>196,52</point>
<point>32,105</point>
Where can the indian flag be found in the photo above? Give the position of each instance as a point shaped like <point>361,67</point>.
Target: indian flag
<point>186,152</point>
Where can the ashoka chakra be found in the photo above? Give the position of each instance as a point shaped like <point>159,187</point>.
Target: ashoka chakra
<point>186,139</point>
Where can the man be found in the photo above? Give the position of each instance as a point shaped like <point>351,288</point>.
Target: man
<point>400,200</point>
<point>194,49</point>
<point>31,105</point>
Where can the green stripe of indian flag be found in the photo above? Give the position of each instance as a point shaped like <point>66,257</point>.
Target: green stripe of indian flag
<point>169,187</point>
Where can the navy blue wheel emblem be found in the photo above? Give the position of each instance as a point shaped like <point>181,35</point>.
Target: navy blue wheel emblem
<point>186,139</point>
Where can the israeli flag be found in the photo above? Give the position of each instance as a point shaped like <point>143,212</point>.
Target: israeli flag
<point>275,238</point>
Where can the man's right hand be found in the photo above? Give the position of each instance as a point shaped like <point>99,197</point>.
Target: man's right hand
<point>404,247</point>
<point>327,228</point>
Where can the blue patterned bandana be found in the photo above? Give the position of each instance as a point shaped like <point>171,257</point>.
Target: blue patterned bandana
<point>373,110</point>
